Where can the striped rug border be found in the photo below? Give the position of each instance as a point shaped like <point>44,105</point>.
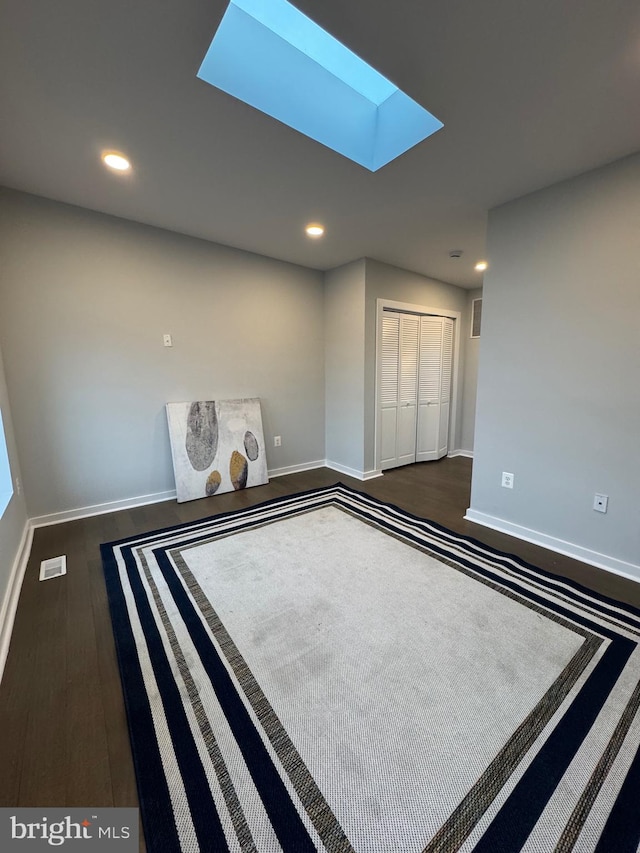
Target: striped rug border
<point>602,618</point>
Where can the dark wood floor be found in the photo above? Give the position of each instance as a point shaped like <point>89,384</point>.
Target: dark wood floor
<point>63,732</point>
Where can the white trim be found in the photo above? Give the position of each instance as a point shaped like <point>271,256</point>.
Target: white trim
<point>467,453</point>
<point>352,472</point>
<point>569,549</point>
<point>456,316</point>
<point>294,469</point>
<point>145,500</point>
<point>9,605</point>
<point>410,307</point>
<point>101,509</point>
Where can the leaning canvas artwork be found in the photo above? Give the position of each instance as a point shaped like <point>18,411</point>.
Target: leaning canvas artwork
<point>217,446</point>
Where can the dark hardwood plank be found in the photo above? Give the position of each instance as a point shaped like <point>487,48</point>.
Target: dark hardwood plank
<point>88,769</point>
<point>15,703</point>
<point>44,606</point>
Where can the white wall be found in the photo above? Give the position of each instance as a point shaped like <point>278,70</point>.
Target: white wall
<point>558,399</point>
<point>387,282</point>
<point>14,518</point>
<point>344,365</point>
<point>84,301</point>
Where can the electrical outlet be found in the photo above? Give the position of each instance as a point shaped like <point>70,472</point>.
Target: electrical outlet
<point>277,440</point>
<point>600,502</point>
<point>507,480</point>
<point>166,340</point>
<point>18,486</point>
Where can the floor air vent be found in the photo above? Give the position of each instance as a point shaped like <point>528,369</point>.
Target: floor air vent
<point>53,568</point>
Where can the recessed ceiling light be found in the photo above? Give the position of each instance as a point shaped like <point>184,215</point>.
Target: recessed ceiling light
<point>116,161</point>
<point>314,230</point>
<point>481,266</point>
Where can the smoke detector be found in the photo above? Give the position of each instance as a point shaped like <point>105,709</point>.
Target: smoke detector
<point>455,253</point>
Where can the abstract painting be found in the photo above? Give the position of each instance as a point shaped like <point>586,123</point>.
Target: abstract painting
<point>217,446</point>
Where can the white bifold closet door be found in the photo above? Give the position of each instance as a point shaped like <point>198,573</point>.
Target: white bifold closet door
<point>415,387</point>
<point>434,387</point>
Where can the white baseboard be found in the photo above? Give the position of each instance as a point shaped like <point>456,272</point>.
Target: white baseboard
<point>101,509</point>
<point>294,469</point>
<point>9,604</point>
<point>467,453</point>
<point>158,497</point>
<point>353,472</point>
<point>569,549</point>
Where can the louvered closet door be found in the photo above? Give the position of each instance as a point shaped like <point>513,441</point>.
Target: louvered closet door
<point>434,389</point>
<point>408,388</point>
<point>445,385</point>
<point>389,388</point>
<point>398,389</point>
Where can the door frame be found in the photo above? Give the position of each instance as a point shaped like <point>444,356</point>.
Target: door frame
<point>409,308</point>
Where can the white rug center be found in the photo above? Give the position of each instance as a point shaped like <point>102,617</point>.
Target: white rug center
<point>382,663</point>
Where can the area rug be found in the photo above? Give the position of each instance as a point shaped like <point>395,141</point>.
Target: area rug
<point>327,672</point>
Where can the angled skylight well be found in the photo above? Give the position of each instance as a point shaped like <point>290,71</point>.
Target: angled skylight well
<point>274,58</point>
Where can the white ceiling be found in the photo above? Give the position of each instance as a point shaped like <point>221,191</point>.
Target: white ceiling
<point>530,92</point>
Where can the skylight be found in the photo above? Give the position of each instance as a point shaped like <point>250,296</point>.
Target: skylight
<point>6,483</point>
<point>274,58</point>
